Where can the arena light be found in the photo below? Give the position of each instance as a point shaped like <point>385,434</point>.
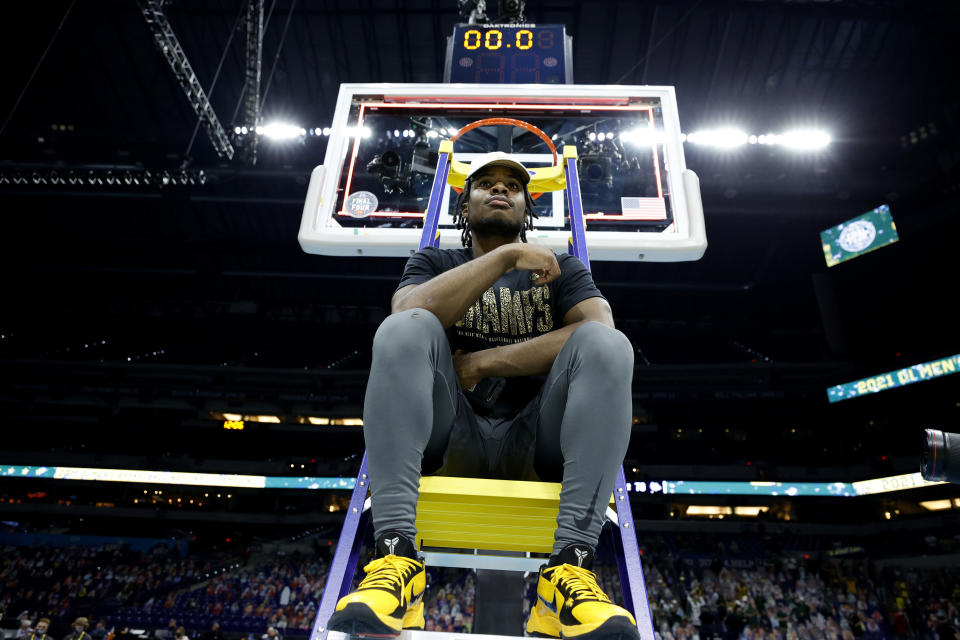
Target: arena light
<point>937,505</point>
<point>731,138</point>
<point>720,138</point>
<point>263,418</point>
<point>750,512</point>
<point>237,417</point>
<point>332,422</point>
<point>364,132</point>
<point>118,176</point>
<point>708,510</point>
<point>281,131</point>
<point>643,137</point>
<point>804,139</point>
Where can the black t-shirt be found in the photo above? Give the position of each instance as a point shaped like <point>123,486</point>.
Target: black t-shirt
<point>512,310</point>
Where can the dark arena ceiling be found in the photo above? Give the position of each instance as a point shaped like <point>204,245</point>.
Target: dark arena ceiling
<point>130,312</point>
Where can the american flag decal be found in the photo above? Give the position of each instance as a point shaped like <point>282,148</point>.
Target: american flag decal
<point>644,208</point>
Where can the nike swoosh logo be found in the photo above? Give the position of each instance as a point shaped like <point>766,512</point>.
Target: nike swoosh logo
<point>416,596</point>
<point>584,523</point>
<point>549,605</point>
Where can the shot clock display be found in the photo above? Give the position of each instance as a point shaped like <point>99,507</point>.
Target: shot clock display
<point>508,54</point>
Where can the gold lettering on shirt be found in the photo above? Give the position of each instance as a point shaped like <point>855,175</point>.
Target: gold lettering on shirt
<point>518,308</point>
<point>511,312</point>
<point>544,323</point>
<point>469,318</point>
<point>527,309</point>
<point>491,315</point>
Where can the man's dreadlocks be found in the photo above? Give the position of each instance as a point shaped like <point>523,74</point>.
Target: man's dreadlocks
<point>462,223</point>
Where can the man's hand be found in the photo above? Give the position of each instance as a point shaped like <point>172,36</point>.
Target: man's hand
<point>466,364</point>
<point>536,258</point>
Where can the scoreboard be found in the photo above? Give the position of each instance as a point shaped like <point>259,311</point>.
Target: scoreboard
<point>509,54</point>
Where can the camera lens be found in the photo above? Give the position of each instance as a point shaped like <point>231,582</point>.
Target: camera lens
<point>940,456</point>
<point>391,159</point>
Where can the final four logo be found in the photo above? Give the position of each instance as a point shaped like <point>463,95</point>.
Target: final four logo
<point>360,204</point>
<point>857,236</point>
<point>862,234</point>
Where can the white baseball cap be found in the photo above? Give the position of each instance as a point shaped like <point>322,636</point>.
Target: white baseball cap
<point>499,158</point>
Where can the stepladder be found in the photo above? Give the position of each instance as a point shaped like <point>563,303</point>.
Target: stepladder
<point>510,547</point>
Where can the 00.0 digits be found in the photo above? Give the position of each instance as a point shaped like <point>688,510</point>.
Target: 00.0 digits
<point>493,39</point>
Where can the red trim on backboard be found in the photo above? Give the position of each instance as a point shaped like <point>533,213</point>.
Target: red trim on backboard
<point>539,100</point>
<point>353,155</point>
<point>656,156</point>
<point>493,105</point>
<point>608,217</point>
<point>438,105</point>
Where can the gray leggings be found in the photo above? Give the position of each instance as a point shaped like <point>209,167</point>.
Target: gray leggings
<point>413,401</point>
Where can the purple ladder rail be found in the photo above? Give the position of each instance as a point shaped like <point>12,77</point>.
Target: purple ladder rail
<point>628,553</point>
<point>348,546</point>
<point>344,564</point>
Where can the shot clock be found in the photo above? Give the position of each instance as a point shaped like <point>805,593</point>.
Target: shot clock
<point>509,54</point>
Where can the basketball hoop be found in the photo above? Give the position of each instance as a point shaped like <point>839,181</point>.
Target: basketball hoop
<point>514,123</point>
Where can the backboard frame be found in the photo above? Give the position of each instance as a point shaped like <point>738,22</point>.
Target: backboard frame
<point>320,233</point>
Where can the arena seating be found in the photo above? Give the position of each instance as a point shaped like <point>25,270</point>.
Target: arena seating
<point>744,587</point>
<point>68,581</point>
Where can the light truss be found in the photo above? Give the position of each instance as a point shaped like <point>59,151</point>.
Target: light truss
<point>251,105</point>
<point>169,46</point>
<point>98,176</point>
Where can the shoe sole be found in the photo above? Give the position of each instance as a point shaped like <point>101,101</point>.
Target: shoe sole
<point>613,628</point>
<point>357,619</point>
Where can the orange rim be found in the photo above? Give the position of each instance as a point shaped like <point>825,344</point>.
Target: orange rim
<point>514,123</point>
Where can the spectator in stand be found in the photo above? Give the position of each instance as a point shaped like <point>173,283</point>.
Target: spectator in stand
<point>64,581</point>
<point>213,634</point>
<point>181,634</point>
<point>170,633</point>
<point>252,593</point>
<point>25,628</point>
<point>99,630</point>
<point>40,632</point>
<point>271,634</point>
<point>79,632</point>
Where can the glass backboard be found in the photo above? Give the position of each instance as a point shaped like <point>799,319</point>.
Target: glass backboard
<point>639,201</point>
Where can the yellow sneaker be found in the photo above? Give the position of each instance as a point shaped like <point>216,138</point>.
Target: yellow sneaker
<point>390,598</point>
<point>570,603</point>
<point>413,618</point>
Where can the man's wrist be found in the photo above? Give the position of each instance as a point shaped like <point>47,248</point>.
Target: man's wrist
<point>506,255</point>
<point>484,364</point>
